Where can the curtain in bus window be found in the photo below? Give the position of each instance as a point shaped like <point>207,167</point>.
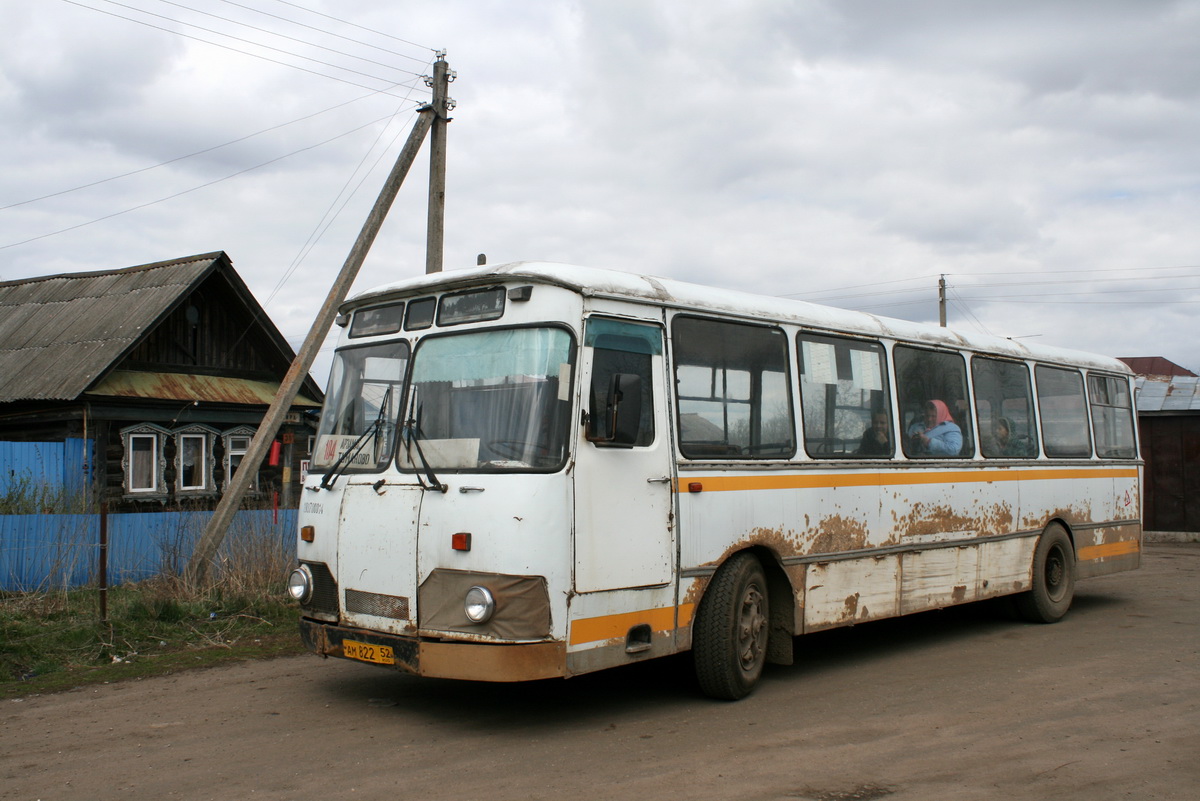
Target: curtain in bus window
<point>1004,404</point>
<point>733,391</point>
<point>844,398</point>
<point>362,381</point>
<point>1112,417</point>
<point>934,413</point>
<point>492,399</point>
<point>1064,412</point>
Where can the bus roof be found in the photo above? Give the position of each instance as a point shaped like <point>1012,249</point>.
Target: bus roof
<point>596,282</point>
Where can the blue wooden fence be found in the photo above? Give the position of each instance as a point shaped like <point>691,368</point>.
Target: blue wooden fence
<point>39,552</point>
<point>65,465</point>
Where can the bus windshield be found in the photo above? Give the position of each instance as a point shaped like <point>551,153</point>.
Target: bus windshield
<point>359,421</point>
<point>489,400</point>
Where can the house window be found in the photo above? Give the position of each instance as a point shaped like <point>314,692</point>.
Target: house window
<point>194,459</point>
<point>143,454</point>
<point>143,462</point>
<point>237,442</point>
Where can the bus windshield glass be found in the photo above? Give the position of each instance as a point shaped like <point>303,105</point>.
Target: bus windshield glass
<point>489,401</point>
<point>358,425</point>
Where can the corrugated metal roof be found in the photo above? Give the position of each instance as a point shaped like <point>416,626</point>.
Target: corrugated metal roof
<point>186,387</point>
<point>1175,394</point>
<point>59,332</point>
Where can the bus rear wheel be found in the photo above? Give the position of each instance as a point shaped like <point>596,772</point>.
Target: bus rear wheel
<point>729,637</point>
<point>1053,578</point>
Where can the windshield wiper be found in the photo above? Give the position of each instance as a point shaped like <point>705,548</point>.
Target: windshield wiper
<point>348,455</point>
<point>413,440</point>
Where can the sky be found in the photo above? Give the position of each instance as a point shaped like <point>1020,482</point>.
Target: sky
<point>1042,155</point>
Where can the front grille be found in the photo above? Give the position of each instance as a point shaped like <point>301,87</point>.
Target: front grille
<point>325,590</point>
<point>372,603</point>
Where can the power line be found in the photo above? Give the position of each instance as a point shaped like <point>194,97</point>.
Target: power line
<point>244,52</point>
<point>338,35</point>
<point>1073,272</point>
<point>351,24</point>
<point>854,286</point>
<point>194,188</point>
<point>1091,281</point>
<point>327,219</point>
<point>196,153</point>
<point>1084,293</point>
<point>260,30</point>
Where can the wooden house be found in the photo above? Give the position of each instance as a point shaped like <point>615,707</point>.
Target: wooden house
<point>162,372</point>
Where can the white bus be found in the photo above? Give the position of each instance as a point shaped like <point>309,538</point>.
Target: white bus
<point>533,470</point>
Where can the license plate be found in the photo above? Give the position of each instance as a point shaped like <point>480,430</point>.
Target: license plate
<point>366,652</point>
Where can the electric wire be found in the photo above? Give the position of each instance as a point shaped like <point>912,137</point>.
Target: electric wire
<point>243,52</point>
<point>351,24</point>
<point>195,188</point>
<point>256,28</point>
<point>196,153</point>
<point>330,216</point>
<point>338,35</point>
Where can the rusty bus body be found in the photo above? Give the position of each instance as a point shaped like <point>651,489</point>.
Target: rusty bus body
<point>533,470</point>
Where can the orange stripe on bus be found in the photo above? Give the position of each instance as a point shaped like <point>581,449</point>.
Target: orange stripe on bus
<point>612,627</point>
<point>1122,548</point>
<point>897,478</point>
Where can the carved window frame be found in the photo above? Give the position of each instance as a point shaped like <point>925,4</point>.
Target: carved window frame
<point>157,437</point>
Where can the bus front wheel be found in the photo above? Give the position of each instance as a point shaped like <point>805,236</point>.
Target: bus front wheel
<point>729,637</point>
<point>1053,578</point>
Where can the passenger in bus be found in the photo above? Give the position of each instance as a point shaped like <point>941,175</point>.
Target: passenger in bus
<point>877,439</point>
<point>1005,443</point>
<point>938,434</point>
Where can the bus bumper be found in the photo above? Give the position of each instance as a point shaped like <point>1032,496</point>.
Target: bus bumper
<point>470,661</point>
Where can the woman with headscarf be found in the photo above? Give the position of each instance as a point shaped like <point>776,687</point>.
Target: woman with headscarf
<point>938,434</point>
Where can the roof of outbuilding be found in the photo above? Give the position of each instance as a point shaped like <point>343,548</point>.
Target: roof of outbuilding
<point>1175,394</point>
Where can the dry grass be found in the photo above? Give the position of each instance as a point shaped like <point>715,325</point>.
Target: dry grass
<point>54,639</point>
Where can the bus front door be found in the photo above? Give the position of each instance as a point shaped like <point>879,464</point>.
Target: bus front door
<point>625,533</point>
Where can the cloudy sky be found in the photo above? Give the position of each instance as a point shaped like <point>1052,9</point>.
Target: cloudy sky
<point>1044,156</point>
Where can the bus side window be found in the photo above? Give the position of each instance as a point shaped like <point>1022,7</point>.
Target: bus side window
<point>1112,417</point>
<point>844,398</point>
<point>620,347</point>
<point>1004,404</point>
<point>1064,412</point>
<point>934,413</point>
<point>732,386</point>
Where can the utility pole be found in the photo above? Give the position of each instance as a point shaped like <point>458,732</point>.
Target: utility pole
<point>942,300</point>
<point>235,490</point>
<point>442,105</point>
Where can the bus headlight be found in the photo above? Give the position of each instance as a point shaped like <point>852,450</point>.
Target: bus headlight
<point>479,604</point>
<point>300,584</point>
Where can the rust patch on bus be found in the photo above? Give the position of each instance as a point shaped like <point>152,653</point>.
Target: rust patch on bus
<point>773,539</point>
<point>543,660</point>
<point>1072,515</point>
<point>695,593</point>
<point>926,519</point>
<point>836,533</point>
<point>851,610</point>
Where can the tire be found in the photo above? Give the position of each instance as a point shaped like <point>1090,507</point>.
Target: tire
<point>729,637</point>
<point>1053,578</point>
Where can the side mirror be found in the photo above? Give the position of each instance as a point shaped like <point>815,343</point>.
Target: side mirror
<point>622,418</point>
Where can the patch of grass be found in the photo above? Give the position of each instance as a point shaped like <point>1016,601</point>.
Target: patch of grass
<point>55,641</point>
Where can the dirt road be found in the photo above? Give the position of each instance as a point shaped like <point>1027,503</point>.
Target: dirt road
<point>960,704</point>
